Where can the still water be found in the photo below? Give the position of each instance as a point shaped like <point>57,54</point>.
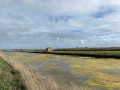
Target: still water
<point>80,73</point>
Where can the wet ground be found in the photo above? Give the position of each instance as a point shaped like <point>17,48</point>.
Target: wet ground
<point>80,73</point>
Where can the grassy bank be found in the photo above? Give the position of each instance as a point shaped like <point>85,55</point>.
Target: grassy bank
<point>30,78</point>
<point>116,53</point>
<point>99,54</point>
<point>9,78</point>
<point>89,49</point>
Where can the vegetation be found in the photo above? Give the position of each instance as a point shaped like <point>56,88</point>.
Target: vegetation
<point>99,54</point>
<point>30,78</point>
<point>89,49</point>
<point>9,78</point>
<point>117,53</point>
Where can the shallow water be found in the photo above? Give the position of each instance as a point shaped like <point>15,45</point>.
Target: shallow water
<point>74,72</point>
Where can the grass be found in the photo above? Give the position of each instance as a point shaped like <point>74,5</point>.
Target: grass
<point>9,78</point>
<point>94,52</point>
<point>99,54</point>
<point>30,78</point>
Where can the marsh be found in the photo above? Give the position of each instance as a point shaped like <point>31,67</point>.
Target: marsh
<point>75,72</point>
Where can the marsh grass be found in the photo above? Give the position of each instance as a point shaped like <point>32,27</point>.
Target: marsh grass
<point>116,53</point>
<point>9,78</point>
<point>30,78</point>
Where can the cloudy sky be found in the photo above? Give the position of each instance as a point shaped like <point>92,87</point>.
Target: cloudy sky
<point>59,23</point>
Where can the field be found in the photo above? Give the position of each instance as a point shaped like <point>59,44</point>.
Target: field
<point>89,49</point>
<point>116,53</point>
<point>97,54</point>
<point>9,78</point>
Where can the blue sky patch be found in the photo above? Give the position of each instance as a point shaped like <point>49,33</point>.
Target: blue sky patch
<point>102,34</point>
<point>103,12</point>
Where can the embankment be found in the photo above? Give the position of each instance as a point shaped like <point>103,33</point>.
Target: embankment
<point>83,54</point>
<point>9,78</point>
<point>31,78</point>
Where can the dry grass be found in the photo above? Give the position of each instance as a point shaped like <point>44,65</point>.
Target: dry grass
<point>31,78</point>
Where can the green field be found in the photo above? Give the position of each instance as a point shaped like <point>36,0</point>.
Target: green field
<point>9,78</point>
<point>99,54</point>
<point>94,52</point>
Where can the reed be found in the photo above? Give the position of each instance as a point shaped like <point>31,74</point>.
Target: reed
<point>31,78</point>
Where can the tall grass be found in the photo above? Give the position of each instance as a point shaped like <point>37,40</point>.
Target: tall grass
<point>9,78</point>
<point>30,78</point>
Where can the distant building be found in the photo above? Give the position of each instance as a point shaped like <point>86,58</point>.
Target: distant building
<point>49,49</point>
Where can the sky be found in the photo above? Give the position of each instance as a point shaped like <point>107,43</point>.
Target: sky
<point>36,24</point>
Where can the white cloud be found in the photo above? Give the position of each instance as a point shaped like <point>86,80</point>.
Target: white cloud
<point>60,22</point>
<point>29,1</point>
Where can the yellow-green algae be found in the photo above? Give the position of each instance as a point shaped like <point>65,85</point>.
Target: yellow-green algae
<point>96,67</point>
<point>72,61</point>
<point>15,55</point>
<point>106,80</point>
<point>52,63</point>
<point>1,52</point>
<point>50,67</point>
<point>37,58</point>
